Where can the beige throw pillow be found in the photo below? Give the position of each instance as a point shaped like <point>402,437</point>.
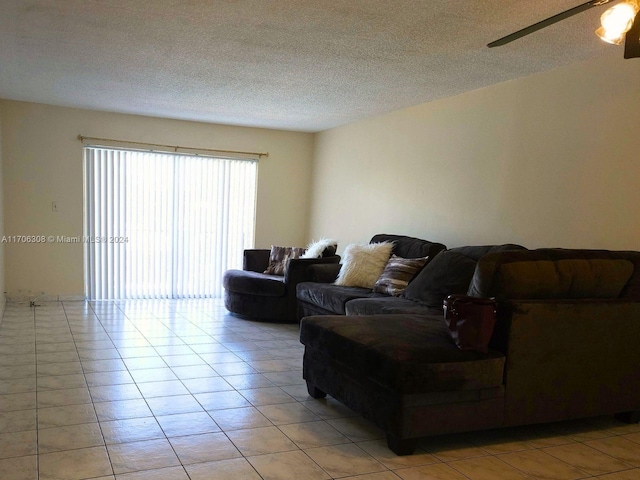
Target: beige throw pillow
<point>363,264</point>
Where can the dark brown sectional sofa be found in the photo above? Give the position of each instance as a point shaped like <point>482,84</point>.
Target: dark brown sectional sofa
<point>447,272</point>
<point>565,346</point>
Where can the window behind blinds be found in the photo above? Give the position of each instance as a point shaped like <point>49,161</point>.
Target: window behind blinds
<point>162,225</point>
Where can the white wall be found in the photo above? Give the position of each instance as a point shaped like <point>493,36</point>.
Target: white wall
<point>43,162</point>
<point>549,160</point>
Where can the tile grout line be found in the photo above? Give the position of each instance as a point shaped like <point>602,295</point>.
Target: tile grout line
<point>93,405</point>
<point>35,347</point>
<point>205,410</point>
<point>166,437</point>
<point>81,329</point>
<point>137,387</point>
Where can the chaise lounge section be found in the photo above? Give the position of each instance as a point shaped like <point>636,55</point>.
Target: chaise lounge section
<point>564,347</point>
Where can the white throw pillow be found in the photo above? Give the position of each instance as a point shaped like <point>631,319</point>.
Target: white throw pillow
<point>315,249</point>
<point>363,264</point>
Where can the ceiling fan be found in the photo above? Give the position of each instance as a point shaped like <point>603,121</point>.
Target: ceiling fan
<point>619,23</point>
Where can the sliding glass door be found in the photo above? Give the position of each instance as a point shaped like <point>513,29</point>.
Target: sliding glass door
<point>162,225</point>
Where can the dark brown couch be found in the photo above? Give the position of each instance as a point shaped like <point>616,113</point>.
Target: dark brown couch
<point>565,346</point>
<point>448,271</point>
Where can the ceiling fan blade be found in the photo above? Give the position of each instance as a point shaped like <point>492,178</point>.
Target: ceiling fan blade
<point>632,40</point>
<point>547,22</point>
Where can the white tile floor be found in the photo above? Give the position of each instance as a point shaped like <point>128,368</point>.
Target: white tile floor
<point>179,390</point>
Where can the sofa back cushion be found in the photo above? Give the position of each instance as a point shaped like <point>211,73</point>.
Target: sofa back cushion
<point>409,247</point>
<point>476,252</point>
<point>578,278</point>
<point>449,272</point>
<point>552,273</point>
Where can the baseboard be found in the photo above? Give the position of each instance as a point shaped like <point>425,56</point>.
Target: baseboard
<point>28,297</point>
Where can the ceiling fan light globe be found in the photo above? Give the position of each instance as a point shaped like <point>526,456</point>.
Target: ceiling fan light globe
<point>618,19</point>
<point>607,37</point>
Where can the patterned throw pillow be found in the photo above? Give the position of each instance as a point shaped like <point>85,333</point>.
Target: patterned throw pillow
<point>279,259</point>
<point>398,273</point>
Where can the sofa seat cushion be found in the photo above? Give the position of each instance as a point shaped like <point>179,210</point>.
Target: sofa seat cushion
<point>403,353</point>
<point>253,283</point>
<point>329,296</point>
<point>384,305</point>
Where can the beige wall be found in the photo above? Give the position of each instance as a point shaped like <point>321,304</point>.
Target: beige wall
<point>548,160</point>
<point>43,162</point>
<point>2,290</point>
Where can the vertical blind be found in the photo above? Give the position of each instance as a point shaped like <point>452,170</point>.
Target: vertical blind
<point>162,225</point>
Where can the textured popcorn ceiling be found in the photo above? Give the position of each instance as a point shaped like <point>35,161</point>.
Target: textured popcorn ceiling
<point>293,64</point>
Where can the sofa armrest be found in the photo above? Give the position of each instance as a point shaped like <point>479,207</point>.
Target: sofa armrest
<point>570,358</point>
<point>324,273</point>
<point>299,268</point>
<point>256,260</point>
